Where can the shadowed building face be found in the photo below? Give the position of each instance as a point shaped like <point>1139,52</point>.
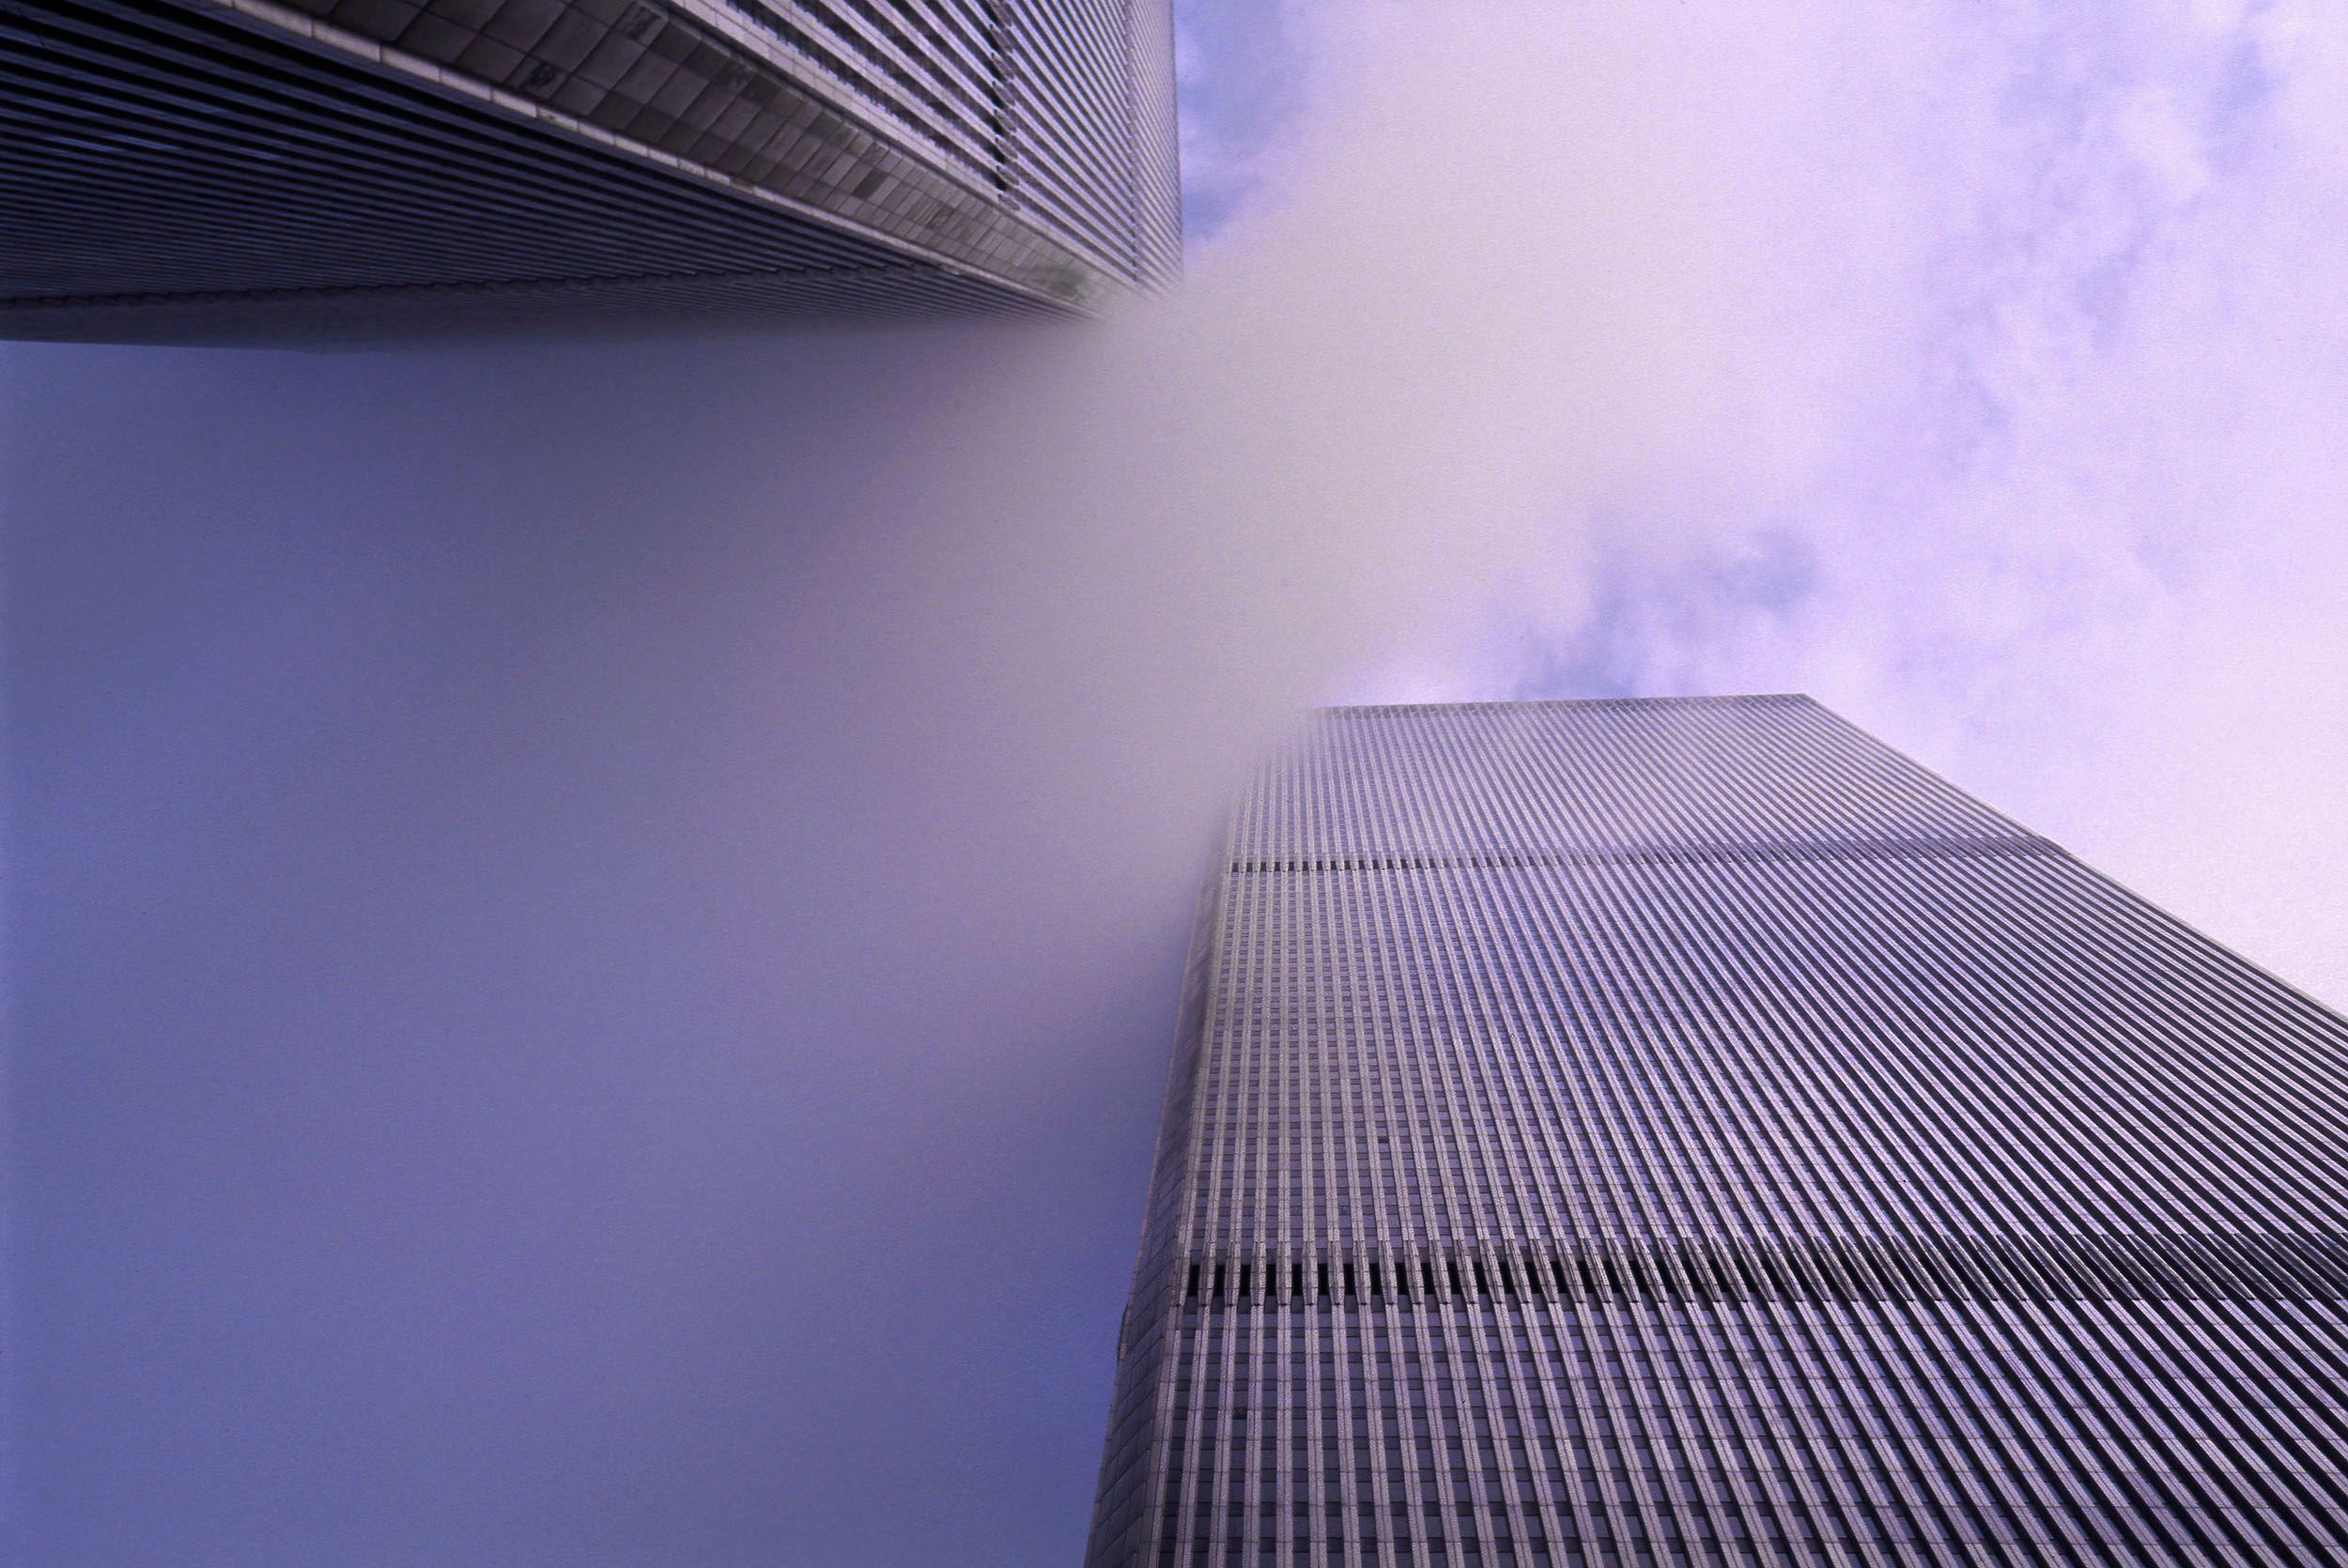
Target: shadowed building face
<point>356,169</point>
<point>1688,1131</point>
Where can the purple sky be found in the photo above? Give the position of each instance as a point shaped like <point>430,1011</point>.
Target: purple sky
<point>592,929</point>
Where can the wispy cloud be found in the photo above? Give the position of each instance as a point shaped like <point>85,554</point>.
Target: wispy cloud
<point>2067,517</point>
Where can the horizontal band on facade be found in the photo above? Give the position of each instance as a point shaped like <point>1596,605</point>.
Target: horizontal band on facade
<point>1591,704</point>
<point>2170,1266</point>
<point>1672,855</point>
<point>581,283</point>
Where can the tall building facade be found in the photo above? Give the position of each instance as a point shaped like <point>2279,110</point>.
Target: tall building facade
<point>248,169</point>
<point>1688,1131</point>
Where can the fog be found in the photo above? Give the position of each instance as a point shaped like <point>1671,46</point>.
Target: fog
<point>593,928</point>
<point>596,926</point>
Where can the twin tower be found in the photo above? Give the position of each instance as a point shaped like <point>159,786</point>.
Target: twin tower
<point>1687,1131</point>
<point>339,171</point>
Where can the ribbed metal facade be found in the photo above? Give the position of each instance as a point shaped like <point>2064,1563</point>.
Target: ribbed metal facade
<point>197,170</point>
<point>1688,1131</point>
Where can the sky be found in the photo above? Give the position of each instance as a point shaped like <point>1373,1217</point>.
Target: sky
<point>593,929</point>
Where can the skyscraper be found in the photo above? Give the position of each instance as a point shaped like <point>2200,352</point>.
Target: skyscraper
<point>1689,1131</point>
<point>248,169</point>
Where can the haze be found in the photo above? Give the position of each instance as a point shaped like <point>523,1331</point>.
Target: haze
<point>593,927</point>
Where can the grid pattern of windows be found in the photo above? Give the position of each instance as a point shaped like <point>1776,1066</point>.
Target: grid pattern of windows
<point>318,169</point>
<point>1688,1131</point>
<point>1063,107</point>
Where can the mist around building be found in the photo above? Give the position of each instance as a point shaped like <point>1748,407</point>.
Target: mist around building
<point>595,925</point>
